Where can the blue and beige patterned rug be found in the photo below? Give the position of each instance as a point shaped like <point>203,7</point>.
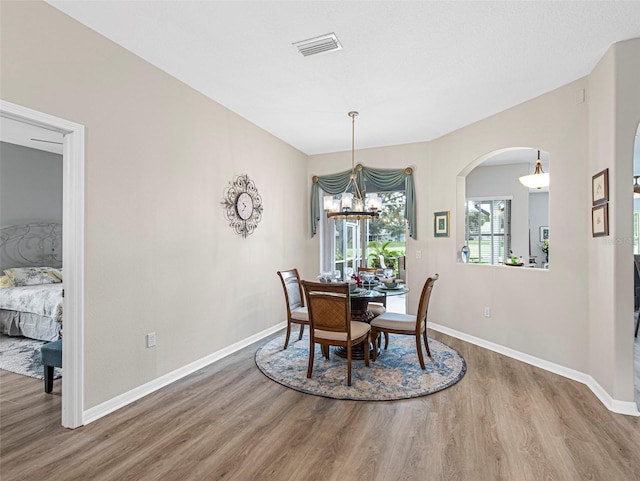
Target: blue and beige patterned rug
<point>395,375</point>
<point>22,356</point>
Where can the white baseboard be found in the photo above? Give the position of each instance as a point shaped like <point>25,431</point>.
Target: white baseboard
<point>122,400</point>
<point>614,405</point>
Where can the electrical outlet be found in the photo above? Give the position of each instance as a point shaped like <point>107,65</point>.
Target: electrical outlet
<point>487,311</point>
<point>151,339</point>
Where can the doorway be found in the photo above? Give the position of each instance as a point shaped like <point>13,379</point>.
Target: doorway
<point>72,250</point>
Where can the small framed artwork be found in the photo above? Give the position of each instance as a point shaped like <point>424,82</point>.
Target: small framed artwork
<point>441,224</point>
<point>600,187</point>
<point>544,233</point>
<point>600,220</point>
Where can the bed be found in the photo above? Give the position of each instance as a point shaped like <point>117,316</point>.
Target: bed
<point>31,287</point>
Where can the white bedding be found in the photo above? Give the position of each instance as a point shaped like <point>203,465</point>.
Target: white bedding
<point>44,300</point>
<point>42,305</point>
<point>31,280</point>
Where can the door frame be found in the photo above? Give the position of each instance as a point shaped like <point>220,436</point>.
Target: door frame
<point>73,161</point>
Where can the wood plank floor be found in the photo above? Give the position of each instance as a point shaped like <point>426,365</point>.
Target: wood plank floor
<point>505,420</point>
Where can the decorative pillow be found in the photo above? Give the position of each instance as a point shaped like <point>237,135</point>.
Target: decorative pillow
<point>31,276</point>
<point>5,282</point>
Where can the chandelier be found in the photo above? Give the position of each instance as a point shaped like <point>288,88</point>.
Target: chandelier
<point>538,179</point>
<point>353,204</point>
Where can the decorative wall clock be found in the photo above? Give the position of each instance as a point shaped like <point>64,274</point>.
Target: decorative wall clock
<point>242,205</point>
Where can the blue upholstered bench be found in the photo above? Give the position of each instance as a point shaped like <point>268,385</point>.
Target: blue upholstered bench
<point>51,355</point>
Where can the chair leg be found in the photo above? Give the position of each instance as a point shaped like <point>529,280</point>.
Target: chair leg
<point>301,331</point>
<point>637,324</point>
<point>374,340</point>
<point>48,379</point>
<point>286,339</point>
<point>366,351</point>
<point>386,340</point>
<point>426,343</point>
<point>419,347</point>
<point>325,350</point>
<point>311,350</point>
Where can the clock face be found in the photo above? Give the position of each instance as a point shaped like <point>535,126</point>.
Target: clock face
<point>244,206</point>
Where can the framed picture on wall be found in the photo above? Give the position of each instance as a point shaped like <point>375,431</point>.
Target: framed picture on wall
<point>544,233</point>
<point>600,220</point>
<point>441,224</point>
<point>600,187</point>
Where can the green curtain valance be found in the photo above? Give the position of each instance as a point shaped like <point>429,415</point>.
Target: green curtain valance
<point>382,179</point>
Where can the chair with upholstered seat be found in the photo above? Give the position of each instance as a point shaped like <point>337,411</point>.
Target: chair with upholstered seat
<point>377,305</point>
<point>294,298</point>
<point>410,325</point>
<point>329,308</point>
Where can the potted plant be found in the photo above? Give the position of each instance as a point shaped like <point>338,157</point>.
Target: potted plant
<point>378,250</point>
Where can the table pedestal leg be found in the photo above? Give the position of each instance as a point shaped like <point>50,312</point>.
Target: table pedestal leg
<point>359,312</point>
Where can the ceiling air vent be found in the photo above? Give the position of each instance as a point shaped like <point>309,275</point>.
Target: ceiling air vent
<point>324,43</point>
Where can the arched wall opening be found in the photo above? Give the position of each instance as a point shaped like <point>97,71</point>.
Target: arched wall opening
<point>499,217</point>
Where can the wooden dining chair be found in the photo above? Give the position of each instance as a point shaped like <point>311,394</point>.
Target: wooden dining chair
<point>294,298</point>
<point>395,323</point>
<point>331,325</point>
<point>377,305</point>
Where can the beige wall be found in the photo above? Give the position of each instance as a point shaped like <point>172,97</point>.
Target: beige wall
<point>538,312</point>
<point>159,254</point>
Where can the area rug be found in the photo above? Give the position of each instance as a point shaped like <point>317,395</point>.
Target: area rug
<point>22,356</point>
<point>396,374</point>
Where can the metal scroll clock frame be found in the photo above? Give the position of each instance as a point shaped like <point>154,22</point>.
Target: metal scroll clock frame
<point>242,205</point>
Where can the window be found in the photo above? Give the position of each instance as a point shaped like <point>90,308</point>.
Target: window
<point>343,242</point>
<point>488,230</point>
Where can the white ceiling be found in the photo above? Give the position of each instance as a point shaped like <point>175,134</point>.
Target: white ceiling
<point>415,70</point>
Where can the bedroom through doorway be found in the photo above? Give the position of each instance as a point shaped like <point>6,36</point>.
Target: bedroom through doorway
<point>73,160</point>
